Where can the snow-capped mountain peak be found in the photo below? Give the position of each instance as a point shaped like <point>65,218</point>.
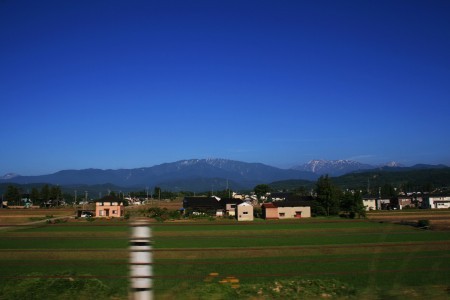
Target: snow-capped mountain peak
<point>393,164</point>
<point>332,167</point>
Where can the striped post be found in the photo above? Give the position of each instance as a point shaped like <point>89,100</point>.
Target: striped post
<point>141,261</point>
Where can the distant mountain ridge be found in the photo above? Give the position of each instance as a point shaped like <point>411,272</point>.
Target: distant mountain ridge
<point>341,167</point>
<point>180,175</point>
<point>203,174</point>
<point>332,167</point>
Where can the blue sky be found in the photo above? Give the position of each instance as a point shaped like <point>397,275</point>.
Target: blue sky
<point>125,84</point>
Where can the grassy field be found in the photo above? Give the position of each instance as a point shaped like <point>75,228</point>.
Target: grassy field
<point>376,259</point>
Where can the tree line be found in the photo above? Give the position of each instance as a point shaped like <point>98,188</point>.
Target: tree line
<point>329,199</point>
<point>15,194</point>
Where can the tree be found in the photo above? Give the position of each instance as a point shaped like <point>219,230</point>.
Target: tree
<point>388,191</point>
<point>157,192</point>
<point>327,195</point>
<point>35,195</point>
<point>347,201</point>
<point>224,193</point>
<point>168,195</point>
<point>301,191</point>
<point>12,195</point>
<point>359,207</point>
<point>261,189</point>
<point>45,193</point>
<point>352,204</point>
<point>55,192</point>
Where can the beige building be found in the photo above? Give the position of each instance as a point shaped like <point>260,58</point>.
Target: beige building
<point>230,209</point>
<point>269,210</point>
<point>109,207</point>
<point>438,202</point>
<point>286,210</point>
<point>244,212</point>
<point>370,204</point>
<point>294,212</point>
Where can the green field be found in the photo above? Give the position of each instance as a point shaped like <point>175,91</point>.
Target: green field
<point>378,260</point>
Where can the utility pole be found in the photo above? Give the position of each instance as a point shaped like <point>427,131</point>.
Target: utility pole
<point>368,186</point>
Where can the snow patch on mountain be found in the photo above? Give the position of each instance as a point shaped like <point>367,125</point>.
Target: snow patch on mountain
<point>9,176</point>
<point>332,167</point>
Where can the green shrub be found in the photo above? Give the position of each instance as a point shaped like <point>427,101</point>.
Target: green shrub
<point>65,285</point>
<point>295,288</point>
<point>423,223</point>
<point>174,214</point>
<point>162,214</point>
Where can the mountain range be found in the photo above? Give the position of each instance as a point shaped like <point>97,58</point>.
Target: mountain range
<point>197,174</point>
<point>339,167</point>
<point>193,175</point>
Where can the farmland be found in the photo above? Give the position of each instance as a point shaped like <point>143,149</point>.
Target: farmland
<point>372,259</point>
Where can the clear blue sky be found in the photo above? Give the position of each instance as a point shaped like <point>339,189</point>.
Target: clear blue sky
<point>125,84</point>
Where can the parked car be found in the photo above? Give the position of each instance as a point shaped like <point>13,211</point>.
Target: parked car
<point>87,215</point>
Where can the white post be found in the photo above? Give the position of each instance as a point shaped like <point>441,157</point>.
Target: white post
<point>141,261</point>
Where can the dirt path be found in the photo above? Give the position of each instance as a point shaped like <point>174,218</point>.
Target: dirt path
<point>43,221</point>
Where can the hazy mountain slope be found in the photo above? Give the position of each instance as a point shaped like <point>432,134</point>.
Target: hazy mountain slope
<point>167,174</point>
<point>416,179</point>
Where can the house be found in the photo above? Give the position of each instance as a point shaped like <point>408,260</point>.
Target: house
<point>26,200</point>
<point>230,205</point>
<point>244,212</point>
<point>269,211</point>
<point>286,210</point>
<point>238,196</point>
<point>436,202</point>
<point>370,204</point>
<point>405,202</point>
<point>384,204</point>
<point>213,206</point>
<point>203,205</point>
<point>109,206</point>
<point>293,209</point>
